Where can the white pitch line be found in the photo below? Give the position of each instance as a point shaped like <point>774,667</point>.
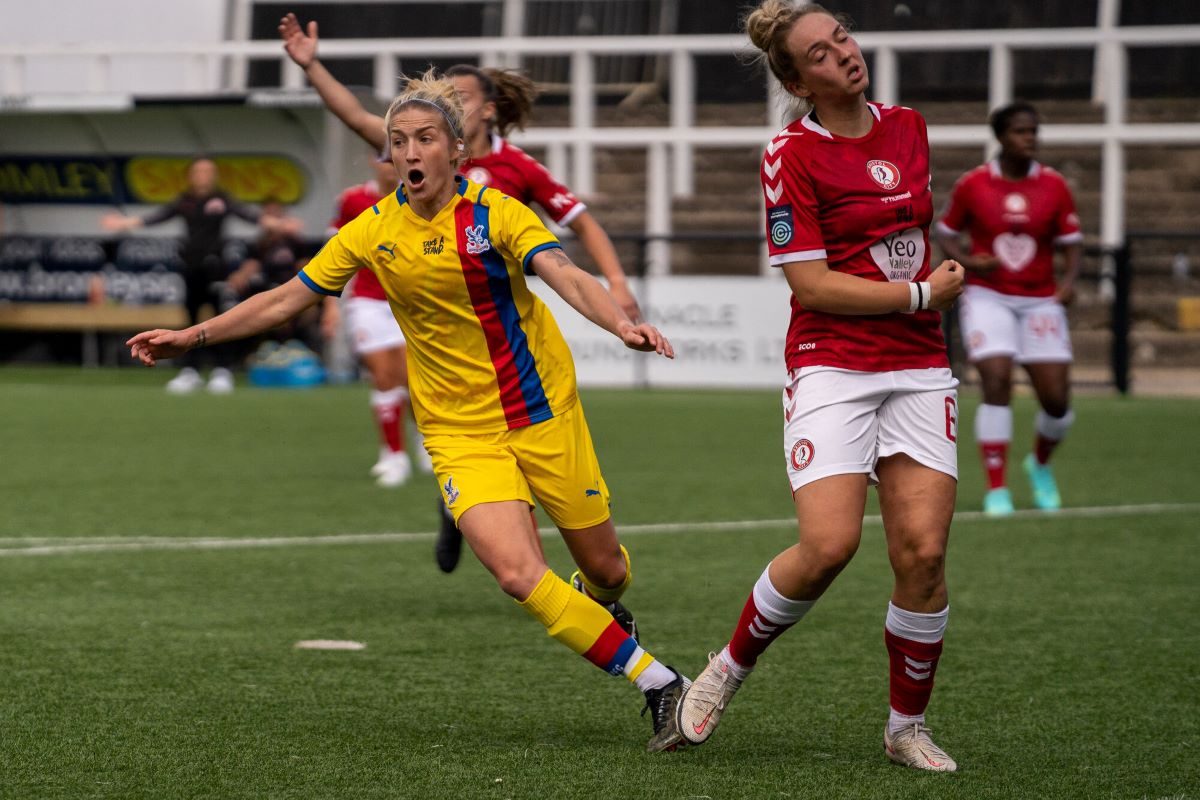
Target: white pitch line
<point>116,544</point>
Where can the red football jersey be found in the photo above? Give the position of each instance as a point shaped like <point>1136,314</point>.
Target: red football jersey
<point>1019,222</point>
<point>351,203</point>
<point>511,170</point>
<point>864,205</point>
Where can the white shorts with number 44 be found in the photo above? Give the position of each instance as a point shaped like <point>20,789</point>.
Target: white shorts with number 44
<point>1031,330</point>
<point>839,422</point>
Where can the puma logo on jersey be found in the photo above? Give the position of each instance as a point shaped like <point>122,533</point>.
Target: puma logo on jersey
<point>391,251</point>
<point>476,240</point>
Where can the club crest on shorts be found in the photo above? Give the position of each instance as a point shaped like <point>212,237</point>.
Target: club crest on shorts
<point>779,223</point>
<point>884,173</point>
<point>451,491</point>
<point>802,454</point>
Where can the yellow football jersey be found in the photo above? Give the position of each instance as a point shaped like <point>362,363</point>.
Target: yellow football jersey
<point>484,352</point>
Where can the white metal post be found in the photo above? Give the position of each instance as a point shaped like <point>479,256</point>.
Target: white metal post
<point>512,21</point>
<point>777,100</point>
<point>1112,166</point>
<point>1000,87</point>
<point>239,31</point>
<point>1108,14</point>
<point>386,79</point>
<point>886,78</point>
<point>658,211</point>
<point>683,116</point>
<point>556,159</point>
<point>583,117</point>
<point>293,75</point>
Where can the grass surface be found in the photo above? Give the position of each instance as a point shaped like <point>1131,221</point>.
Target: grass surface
<point>1072,665</point>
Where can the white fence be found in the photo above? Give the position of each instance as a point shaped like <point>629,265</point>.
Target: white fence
<point>669,148</point>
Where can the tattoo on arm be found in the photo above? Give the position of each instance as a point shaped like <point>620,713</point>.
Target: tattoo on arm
<point>201,338</point>
<point>560,258</point>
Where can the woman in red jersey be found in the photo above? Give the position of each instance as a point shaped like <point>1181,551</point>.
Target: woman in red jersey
<point>1016,212</point>
<point>377,339</point>
<point>869,397</point>
<point>495,102</point>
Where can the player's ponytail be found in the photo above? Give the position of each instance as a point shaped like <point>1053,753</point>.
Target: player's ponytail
<point>511,91</point>
<point>514,96</point>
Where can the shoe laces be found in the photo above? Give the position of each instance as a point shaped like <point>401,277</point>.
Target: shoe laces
<point>922,740</point>
<point>710,687</point>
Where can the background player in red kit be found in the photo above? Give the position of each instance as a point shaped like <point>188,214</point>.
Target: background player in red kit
<point>1016,212</point>
<point>378,342</point>
<point>869,397</point>
<point>494,102</point>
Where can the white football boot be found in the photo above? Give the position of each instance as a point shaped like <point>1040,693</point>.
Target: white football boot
<point>913,747</point>
<point>396,472</point>
<point>186,382</point>
<point>705,700</point>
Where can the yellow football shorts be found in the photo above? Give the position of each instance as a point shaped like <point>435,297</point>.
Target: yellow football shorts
<point>553,461</point>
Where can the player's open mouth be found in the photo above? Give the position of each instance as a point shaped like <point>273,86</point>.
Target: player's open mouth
<point>415,178</point>
<point>855,73</point>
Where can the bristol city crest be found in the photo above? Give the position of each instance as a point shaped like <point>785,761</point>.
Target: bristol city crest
<point>884,173</point>
<point>479,175</point>
<point>802,454</point>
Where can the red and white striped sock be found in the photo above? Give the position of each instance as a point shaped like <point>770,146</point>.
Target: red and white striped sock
<point>993,431</point>
<point>389,415</point>
<point>766,615</point>
<point>914,645</point>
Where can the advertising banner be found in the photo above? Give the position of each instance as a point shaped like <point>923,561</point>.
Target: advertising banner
<point>118,180</point>
<point>727,332</point>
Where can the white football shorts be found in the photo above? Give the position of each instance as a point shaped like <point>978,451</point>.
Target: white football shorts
<point>839,422</point>
<point>372,326</point>
<point>1032,330</point>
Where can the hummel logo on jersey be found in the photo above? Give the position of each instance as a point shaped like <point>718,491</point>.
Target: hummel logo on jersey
<point>433,247</point>
<point>391,251</point>
<point>476,242</point>
<point>560,201</point>
<point>451,491</point>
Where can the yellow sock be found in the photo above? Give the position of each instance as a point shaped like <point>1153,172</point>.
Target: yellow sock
<point>583,625</point>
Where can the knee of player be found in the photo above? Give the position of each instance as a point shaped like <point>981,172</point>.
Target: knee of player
<point>519,580</point>
<point>1057,407</point>
<point>832,554</point>
<point>920,559</point>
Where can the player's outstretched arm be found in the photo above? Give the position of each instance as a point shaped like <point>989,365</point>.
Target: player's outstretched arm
<point>585,294</point>
<point>597,244</point>
<point>301,47</point>
<point>260,313</point>
<point>819,288</point>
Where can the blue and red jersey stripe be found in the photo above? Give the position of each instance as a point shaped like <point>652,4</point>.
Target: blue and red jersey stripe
<point>489,286</point>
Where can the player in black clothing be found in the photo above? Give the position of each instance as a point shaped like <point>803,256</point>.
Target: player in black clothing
<point>204,207</point>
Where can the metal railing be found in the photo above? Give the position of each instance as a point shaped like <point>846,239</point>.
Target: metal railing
<point>670,148</point>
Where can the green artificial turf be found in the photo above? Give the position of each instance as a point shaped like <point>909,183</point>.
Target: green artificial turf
<point>1071,669</point>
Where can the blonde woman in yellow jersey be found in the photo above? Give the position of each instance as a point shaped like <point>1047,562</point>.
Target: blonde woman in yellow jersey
<point>491,378</point>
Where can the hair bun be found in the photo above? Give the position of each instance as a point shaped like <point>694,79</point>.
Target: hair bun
<point>762,25</point>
